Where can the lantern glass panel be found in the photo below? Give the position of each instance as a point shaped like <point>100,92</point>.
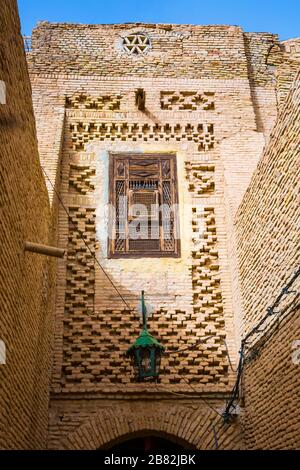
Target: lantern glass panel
<point>157,361</point>
<point>135,359</point>
<point>146,360</point>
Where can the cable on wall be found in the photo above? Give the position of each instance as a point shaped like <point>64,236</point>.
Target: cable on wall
<point>231,405</point>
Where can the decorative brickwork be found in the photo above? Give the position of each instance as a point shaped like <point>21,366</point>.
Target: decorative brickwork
<point>207,294</point>
<point>81,263</point>
<point>96,342</point>
<point>201,134</point>
<point>96,339</point>
<point>292,48</point>
<point>205,275</point>
<point>103,103</point>
<point>81,179</point>
<point>200,177</point>
<point>186,100</point>
<point>182,51</point>
<point>136,43</point>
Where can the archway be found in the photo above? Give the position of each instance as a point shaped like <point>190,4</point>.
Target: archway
<point>114,424</point>
<point>147,444</point>
<point>148,441</point>
<point>187,426</point>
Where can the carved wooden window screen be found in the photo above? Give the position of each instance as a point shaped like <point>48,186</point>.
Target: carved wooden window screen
<point>144,193</point>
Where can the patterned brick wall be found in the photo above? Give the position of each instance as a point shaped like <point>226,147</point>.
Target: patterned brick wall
<point>292,47</point>
<point>268,246</point>
<point>211,99</point>
<point>93,325</point>
<point>27,279</point>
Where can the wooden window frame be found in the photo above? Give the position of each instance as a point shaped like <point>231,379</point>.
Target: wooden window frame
<point>117,156</point>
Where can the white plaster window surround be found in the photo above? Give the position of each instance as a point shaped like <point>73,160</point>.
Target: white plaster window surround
<point>136,43</point>
<point>2,92</point>
<point>2,353</point>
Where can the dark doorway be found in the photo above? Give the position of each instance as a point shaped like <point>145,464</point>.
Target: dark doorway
<point>147,444</point>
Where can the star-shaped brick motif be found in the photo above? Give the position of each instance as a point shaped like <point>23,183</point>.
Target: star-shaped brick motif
<point>136,43</point>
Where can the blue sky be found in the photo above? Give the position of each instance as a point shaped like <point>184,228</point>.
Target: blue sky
<point>281,17</point>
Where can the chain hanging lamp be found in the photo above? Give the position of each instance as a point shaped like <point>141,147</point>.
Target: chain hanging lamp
<point>146,351</point>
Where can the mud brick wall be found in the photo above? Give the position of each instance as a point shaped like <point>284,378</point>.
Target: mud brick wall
<point>271,390</point>
<point>285,76</point>
<point>267,226</point>
<point>186,51</point>
<point>269,252</point>
<point>27,280</point>
<point>176,50</point>
<point>94,424</point>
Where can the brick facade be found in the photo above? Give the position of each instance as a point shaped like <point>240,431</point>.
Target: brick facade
<point>208,90</point>
<point>27,279</point>
<point>212,98</point>
<point>193,426</point>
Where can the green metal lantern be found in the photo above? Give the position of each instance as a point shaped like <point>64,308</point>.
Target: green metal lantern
<point>146,351</point>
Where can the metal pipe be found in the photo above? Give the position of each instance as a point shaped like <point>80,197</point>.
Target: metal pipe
<point>44,250</point>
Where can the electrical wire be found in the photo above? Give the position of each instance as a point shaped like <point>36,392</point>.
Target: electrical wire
<point>184,395</point>
<point>219,418</point>
<point>201,398</point>
<point>201,340</point>
<point>256,329</point>
<point>253,351</point>
<point>86,244</point>
<point>215,436</point>
<point>228,356</point>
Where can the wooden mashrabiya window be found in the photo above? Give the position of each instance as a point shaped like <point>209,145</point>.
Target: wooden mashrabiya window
<point>144,197</point>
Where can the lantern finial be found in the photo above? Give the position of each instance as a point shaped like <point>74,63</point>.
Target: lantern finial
<point>144,311</point>
<point>146,351</point>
